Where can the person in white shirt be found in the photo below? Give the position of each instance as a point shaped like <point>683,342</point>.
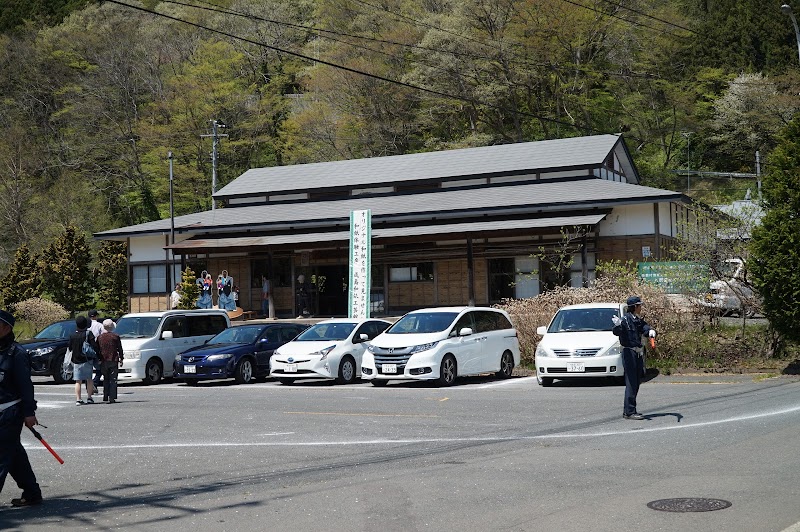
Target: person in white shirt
<point>96,326</point>
<point>267,308</point>
<point>175,296</point>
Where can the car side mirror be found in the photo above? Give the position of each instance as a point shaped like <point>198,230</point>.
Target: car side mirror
<point>466,331</point>
<point>363,337</point>
<point>166,335</point>
<point>541,331</point>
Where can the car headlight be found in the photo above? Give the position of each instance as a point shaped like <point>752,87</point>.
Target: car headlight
<point>133,355</point>
<point>423,347</point>
<point>371,348</point>
<point>323,353</point>
<point>223,356</point>
<point>614,351</point>
<point>541,352</point>
<point>42,351</point>
<point>177,358</point>
<point>276,353</point>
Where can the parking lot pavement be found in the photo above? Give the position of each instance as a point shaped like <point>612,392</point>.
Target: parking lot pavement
<point>484,454</point>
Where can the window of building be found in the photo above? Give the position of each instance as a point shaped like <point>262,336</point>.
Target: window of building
<point>501,279</point>
<point>281,271</point>
<point>421,271</point>
<point>149,278</point>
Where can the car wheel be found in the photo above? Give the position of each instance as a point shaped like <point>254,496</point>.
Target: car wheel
<point>244,371</point>
<point>379,382</point>
<point>61,375</point>
<point>347,371</point>
<point>506,365</point>
<point>286,381</point>
<point>447,371</point>
<point>543,381</point>
<point>153,372</point>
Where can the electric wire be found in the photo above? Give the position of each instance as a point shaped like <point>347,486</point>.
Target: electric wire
<point>632,22</point>
<point>621,6</point>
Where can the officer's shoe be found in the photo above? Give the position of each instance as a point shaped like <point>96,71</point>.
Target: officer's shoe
<point>636,415</point>
<point>24,501</point>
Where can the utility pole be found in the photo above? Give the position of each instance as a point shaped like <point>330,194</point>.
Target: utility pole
<point>215,135</point>
<point>686,135</point>
<point>758,172</point>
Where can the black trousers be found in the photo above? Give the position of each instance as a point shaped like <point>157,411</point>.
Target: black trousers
<point>633,364</point>
<point>110,373</point>
<point>13,458</point>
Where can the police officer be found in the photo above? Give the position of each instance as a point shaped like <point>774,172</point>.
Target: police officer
<point>17,407</point>
<point>630,328</point>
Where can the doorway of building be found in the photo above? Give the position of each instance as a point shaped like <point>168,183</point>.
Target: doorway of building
<point>331,287</point>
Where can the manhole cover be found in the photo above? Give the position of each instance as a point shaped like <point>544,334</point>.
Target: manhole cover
<point>688,505</point>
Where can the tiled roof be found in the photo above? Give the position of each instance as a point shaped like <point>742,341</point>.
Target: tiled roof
<point>504,159</point>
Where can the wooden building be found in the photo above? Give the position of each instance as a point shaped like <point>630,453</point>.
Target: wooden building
<point>452,227</point>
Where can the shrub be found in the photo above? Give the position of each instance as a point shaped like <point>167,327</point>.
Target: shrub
<point>39,312</point>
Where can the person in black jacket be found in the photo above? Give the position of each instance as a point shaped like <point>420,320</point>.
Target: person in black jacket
<point>82,366</point>
<point>630,328</point>
<point>17,408</point>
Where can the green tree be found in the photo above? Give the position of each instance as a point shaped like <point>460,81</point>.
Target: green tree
<point>66,273</point>
<point>22,281</point>
<point>189,290</point>
<point>775,248</point>
<point>111,276</point>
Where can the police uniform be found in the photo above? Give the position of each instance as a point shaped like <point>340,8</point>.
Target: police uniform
<point>17,403</point>
<point>630,333</point>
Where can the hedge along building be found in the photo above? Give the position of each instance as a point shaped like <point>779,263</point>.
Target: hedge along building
<point>453,227</point>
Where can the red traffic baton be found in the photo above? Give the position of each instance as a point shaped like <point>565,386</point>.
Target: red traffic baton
<point>653,343</point>
<point>47,445</point>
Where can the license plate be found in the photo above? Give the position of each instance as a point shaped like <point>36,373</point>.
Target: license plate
<point>389,368</point>
<point>575,367</point>
<point>190,369</point>
<point>291,368</point>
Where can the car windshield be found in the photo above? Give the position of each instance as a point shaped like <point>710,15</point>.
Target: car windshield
<point>326,331</point>
<point>137,327</point>
<point>61,329</point>
<point>583,319</point>
<point>238,335</point>
<point>423,322</point>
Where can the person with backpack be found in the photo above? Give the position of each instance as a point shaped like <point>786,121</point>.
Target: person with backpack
<point>84,349</point>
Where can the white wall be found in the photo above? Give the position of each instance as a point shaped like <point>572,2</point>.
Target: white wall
<point>149,248</point>
<point>628,220</point>
<point>526,284</point>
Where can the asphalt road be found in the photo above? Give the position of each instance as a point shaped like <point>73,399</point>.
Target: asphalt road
<point>481,455</point>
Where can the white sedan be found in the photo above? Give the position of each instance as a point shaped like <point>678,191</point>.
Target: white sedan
<point>579,343</point>
<point>331,349</point>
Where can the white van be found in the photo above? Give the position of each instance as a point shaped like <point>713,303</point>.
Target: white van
<point>441,344</point>
<point>150,340</point>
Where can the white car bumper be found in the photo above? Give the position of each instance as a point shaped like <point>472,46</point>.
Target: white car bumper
<point>301,368</point>
<point>422,366</point>
<point>569,367</point>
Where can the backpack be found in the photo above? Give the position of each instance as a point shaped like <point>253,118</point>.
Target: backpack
<point>87,349</point>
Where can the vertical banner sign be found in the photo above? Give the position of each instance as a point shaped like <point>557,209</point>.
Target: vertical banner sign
<point>360,263</point>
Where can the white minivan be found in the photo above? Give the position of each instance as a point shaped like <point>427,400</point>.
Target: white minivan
<point>441,344</point>
<point>578,343</point>
<point>150,340</point>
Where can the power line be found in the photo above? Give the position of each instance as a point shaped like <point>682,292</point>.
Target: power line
<point>650,16</point>
<point>632,22</point>
<point>318,31</point>
<point>359,72</point>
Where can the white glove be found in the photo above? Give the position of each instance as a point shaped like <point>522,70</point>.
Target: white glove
<point>652,333</point>
<point>616,320</point>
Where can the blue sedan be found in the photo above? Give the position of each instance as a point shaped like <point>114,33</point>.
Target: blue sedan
<point>241,352</point>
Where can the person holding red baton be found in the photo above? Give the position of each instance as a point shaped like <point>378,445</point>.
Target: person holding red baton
<point>17,408</point>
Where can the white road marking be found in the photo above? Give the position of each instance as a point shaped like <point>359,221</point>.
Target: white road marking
<point>407,441</point>
<point>522,380</point>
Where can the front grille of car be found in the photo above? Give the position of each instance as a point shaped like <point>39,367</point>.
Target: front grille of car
<point>192,359</point>
<point>587,369</point>
<point>397,355</point>
<point>290,373</point>
<point>587,352</point>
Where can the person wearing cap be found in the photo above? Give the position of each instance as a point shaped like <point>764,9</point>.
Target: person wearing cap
<point>630,328</point>
<point>17,408</point>
<point>81,365</point>
<point>96,326</point>
<point>111,356</point>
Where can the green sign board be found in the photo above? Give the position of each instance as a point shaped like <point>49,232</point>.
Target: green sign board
<point>676,277</point>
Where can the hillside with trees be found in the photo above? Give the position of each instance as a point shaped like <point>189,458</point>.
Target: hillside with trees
<point>95,94</point>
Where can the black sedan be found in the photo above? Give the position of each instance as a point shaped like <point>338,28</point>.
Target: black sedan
<point>47,349</point>
<point>241,352</point>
